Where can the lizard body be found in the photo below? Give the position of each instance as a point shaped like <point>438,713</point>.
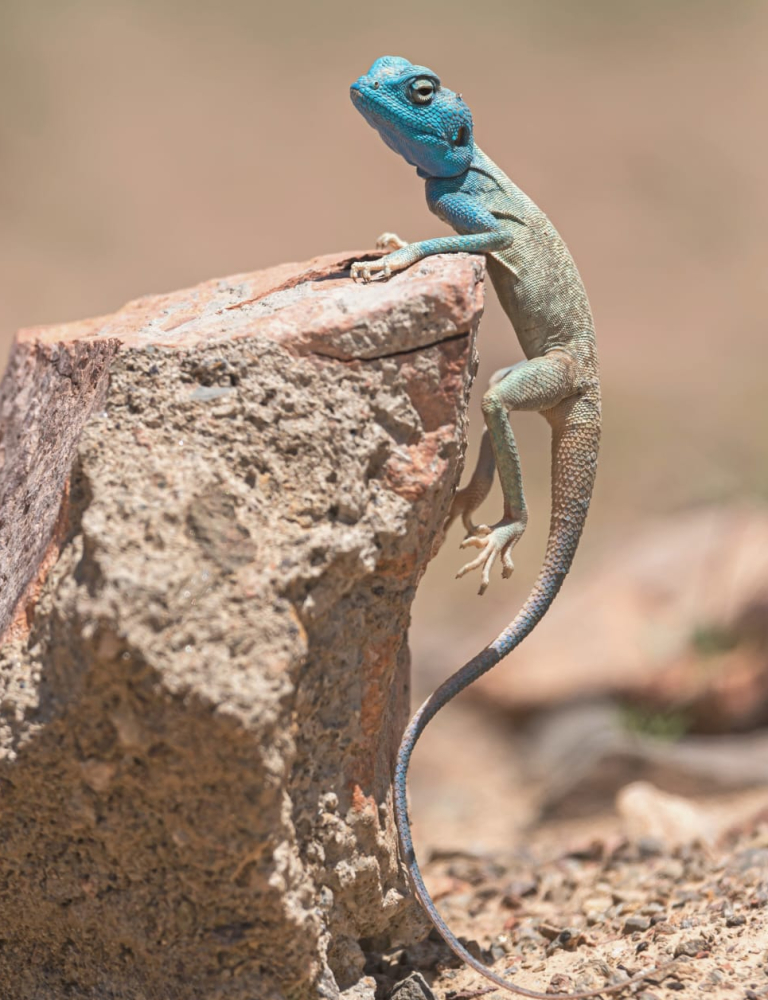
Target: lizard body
<point>542,293</point>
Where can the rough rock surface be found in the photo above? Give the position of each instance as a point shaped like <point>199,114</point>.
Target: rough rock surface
<point>216,506</point>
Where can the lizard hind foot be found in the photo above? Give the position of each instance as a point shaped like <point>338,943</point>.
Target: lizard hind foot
<point>495,542</point>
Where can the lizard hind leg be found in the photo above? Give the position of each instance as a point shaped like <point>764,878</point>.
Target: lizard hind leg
<point>535,385</point>
<point>467,500</point>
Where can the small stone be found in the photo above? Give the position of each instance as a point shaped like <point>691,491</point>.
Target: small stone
<point>653,908</point>
<point>636,923</point>
<point>650,847</point>
<point>736,920</point>
<point>663,927</point>
<point>473,948</point>
<point>559,983</point>
<point>596,904</point>
<point>521,887</point>
<point>691,948</point>
<point>412,988</point>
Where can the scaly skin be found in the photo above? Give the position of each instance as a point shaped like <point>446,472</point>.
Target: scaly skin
<point>540,289</point>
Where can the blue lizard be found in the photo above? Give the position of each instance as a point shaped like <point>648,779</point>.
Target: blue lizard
<point>542,293</point>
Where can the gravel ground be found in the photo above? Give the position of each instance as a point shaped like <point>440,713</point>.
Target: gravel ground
<point>595,912</point>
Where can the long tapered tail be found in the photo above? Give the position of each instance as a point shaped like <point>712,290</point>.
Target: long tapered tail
<point>575,441</point>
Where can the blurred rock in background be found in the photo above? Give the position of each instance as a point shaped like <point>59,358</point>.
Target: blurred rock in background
<point>673,623</point>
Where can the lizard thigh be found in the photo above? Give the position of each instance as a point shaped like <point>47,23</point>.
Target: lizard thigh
<point>538,384</point>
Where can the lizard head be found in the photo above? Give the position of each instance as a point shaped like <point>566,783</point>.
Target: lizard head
<point>428,125</point>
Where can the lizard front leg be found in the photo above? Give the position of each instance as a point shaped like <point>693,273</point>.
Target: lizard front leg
<point>539,385</point>
<point>489,235</point>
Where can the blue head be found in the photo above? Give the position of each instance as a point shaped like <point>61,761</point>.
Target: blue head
<point>429,126</point>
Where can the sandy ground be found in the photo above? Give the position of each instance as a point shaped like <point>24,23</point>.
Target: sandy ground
<point>576,905</point>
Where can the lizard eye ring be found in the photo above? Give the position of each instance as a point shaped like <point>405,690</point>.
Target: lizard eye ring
<point>421,90</point>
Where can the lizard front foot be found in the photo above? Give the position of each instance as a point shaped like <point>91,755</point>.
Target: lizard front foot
<point>492,542</point>
<point>384,267</point>
<point>368,270</point>
<point>390,241</point>
<point>365,271</point>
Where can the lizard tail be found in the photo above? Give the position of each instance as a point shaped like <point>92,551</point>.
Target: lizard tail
<point>575,440</point>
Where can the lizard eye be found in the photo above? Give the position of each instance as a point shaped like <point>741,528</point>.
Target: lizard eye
<point>422,91</point>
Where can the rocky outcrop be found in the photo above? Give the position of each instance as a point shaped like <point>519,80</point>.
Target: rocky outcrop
<point>215,506</point>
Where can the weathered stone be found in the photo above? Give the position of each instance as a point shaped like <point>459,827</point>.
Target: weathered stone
<point>216,506</point>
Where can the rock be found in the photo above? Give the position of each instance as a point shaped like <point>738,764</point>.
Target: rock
<point>364,989</point>
<point>636,923</point>
<point>216,506</point>
<point>676,619</point>
<point>412,988</point>
<point>648,812</point>
<point>581,755</point>
<point>691,948</point>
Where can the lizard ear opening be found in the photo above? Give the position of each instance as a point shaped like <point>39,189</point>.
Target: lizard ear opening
<point>462,136</point>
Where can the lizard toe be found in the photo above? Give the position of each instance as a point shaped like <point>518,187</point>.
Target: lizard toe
<point>492,542</point>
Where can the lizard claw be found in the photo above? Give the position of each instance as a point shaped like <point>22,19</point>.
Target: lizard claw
<point>365,271</point>
<point>492,542</point>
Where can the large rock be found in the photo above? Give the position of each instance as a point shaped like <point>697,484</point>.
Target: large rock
<point>215,506</point>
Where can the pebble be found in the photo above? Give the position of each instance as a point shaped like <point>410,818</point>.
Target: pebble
<point>636,923</point>
<point>521,887</point>
<point>650,847</point>
<point>653,908</point>
<point>497,952</point>
<point>691,948</point>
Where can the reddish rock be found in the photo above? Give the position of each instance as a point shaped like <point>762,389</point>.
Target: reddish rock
<point>216,506</point>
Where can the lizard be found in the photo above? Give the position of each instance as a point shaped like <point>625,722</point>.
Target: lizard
<point>540,290</point>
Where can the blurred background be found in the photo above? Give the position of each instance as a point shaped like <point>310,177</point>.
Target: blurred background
<point>146,146</point>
